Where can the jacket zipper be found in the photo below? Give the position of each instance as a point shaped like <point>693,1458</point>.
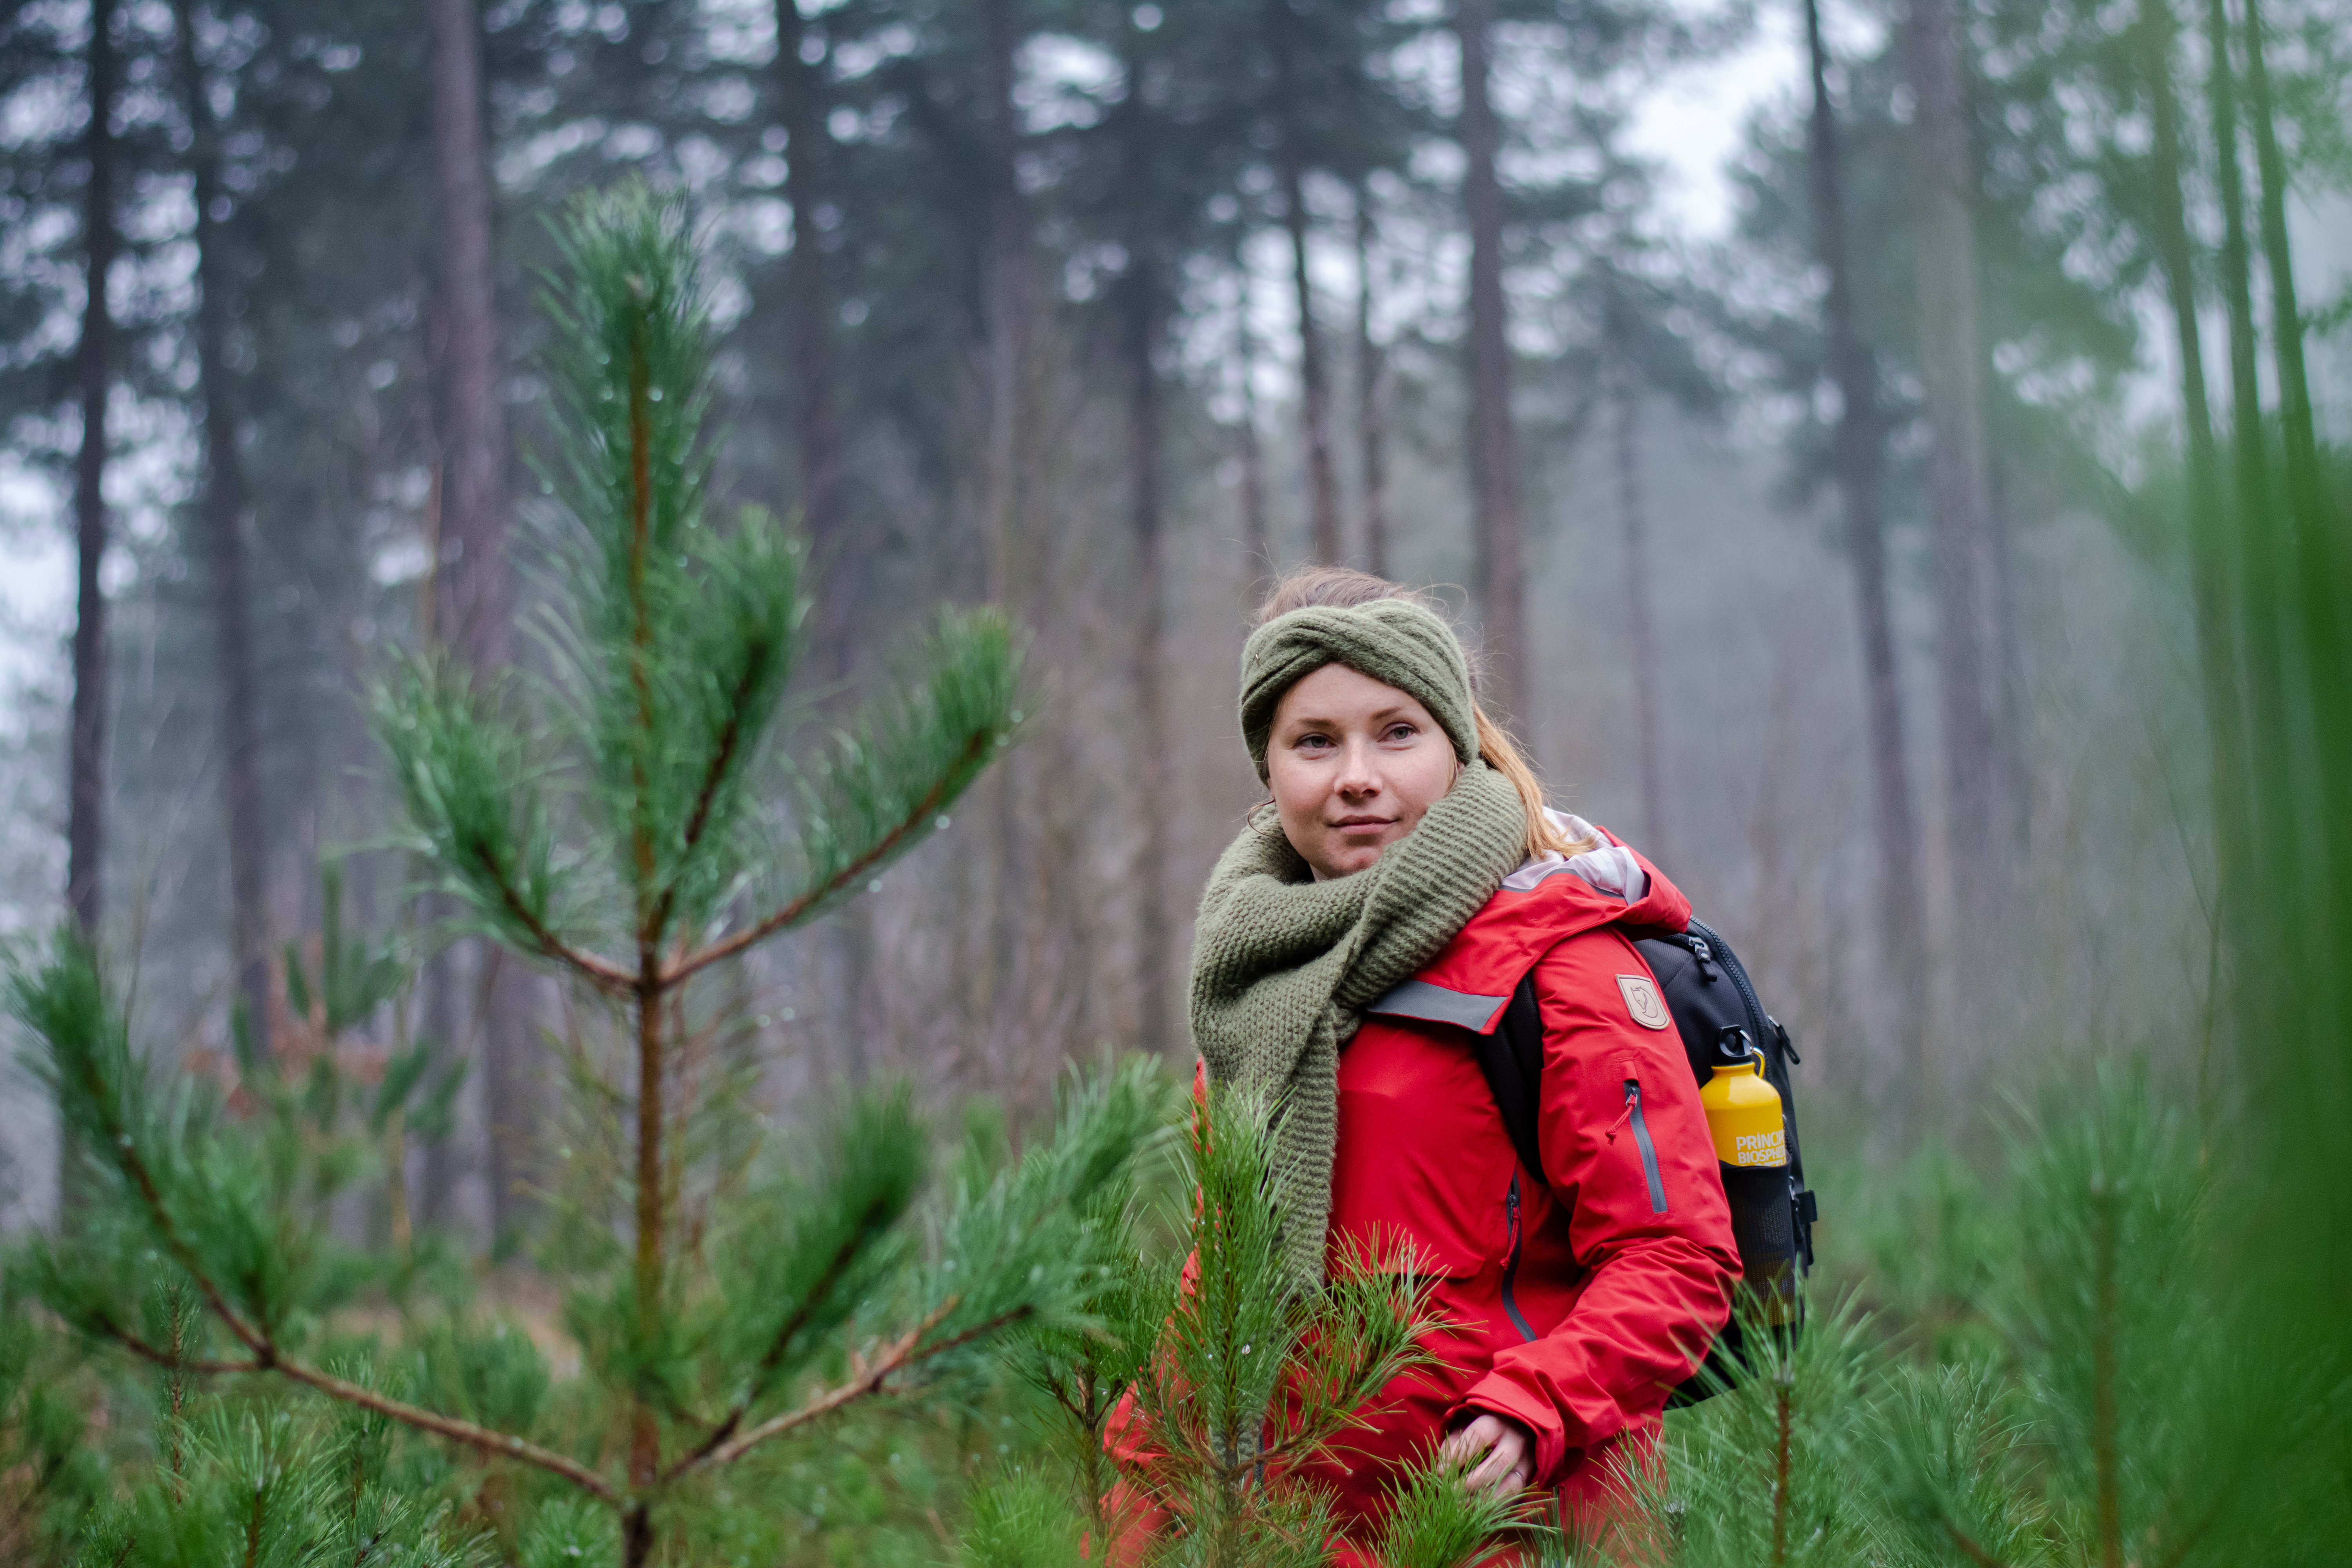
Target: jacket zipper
<point>1649,1149</point>
<point>1511,1263</point>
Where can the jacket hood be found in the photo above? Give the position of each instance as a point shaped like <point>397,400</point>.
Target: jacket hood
<point>1544,902</point>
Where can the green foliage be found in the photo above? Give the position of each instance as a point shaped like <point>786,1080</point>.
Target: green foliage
<point>49,1472</point>
<point>1239,1377</point>
<point>670,671</point>
<point>724,1297</point>
<point>1021,1519</point>
<point>1435,1522</point>
<point>266,1487</point>
<point>1765,1472</point>
<point>2090,1413</point>
<point>2111,1312</point>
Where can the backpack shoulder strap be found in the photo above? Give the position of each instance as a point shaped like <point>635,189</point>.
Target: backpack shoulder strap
<point>1511,1056</point>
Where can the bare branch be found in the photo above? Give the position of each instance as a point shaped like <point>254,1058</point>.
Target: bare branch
<point>814,898</point>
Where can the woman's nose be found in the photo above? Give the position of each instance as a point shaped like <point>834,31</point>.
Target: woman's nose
<point>1359,771</point>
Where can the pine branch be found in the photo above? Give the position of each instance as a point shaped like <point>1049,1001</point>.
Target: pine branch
<point>503,1444</point>
<point>601,972</point>
<point>170,1360</point>
<point>1970,1548</point>
<point>816,897</point>
<point>836,1268</point>
<point>705,798</point>
<point>907,1351</point>
<point>268,1357</point>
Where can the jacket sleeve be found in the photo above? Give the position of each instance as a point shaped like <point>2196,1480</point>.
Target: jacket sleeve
<point>1627,1153</point>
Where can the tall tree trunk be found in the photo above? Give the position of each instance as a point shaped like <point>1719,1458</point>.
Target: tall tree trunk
<point>1143,314</point>
<point>1013,322</point>
<point>2211,586</point>
<point>1315,389</point>
<point>473,596</point>
<point>474,607</point>
<point>1494,443</point>
<point>1624,421</point>
<point>1861,476</point>
<point>2319,559</point>
<point>1011,294</point>
<point>2261,563</point>
<point>808,319</point>
<point>224,515</point>
<point>1371,398</point>
<point>94,369</point>
<point>1959,487</point>
<point>1258,537</point>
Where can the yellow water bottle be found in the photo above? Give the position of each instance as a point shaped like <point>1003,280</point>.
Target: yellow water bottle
<point>1743,1113</point>
<point>1750,1129</point>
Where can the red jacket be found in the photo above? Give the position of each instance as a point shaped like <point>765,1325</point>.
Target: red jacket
<point>1580,1296</point>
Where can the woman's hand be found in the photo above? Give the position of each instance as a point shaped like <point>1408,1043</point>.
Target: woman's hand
<point>1509,1449</point>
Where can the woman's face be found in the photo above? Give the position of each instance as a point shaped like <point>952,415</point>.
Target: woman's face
<point>1353,764</point>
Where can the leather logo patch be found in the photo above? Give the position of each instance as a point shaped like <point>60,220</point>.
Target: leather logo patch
<point>1643,1001</point>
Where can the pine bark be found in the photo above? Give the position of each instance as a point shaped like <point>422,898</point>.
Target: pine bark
<point>1860,457</point>
<point>1258,537</point>
<point>1625,422</point>
<point>1143,316</point>
<point>1959,480</point>
<point>808,319</point>
<point>1493,442</point>
<point>1372,399</point>
<point>223,531</point>
<point>473,593</point>
<point>1012,295</point>
<point>1314,376</point>
<point>473,596</point>
<point>94,374</point>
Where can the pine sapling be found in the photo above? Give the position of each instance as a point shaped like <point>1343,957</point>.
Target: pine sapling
<point>1252,1379</point>
<point>1765,1472</point>
<point>634,824</point>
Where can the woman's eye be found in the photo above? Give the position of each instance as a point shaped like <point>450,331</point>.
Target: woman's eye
<point>1400,733</point>
<point>1312,742</point>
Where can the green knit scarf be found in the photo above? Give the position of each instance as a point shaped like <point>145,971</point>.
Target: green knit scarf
<point>1283,965</point>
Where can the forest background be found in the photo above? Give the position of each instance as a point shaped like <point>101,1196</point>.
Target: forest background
<point>1847,560</point>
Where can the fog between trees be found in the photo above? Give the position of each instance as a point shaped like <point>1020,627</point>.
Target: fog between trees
<point>1038,344</point>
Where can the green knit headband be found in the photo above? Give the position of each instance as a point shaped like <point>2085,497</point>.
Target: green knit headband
<point>1391,640</point>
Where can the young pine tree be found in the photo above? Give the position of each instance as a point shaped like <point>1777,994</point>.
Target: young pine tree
<point>1237,1378</point>
<point>634,825</point>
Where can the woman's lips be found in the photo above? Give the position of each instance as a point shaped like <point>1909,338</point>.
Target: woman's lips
<point>1363,823</point>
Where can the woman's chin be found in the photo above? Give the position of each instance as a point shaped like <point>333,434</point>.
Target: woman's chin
<point>1348,859</point>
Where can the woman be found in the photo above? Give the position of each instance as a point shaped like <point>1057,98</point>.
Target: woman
<point>1403,879</point>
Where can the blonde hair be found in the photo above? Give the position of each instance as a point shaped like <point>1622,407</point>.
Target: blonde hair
<point>1344,587</point>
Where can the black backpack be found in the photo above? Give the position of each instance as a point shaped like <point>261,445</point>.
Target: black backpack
<point>1716,1011</point>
